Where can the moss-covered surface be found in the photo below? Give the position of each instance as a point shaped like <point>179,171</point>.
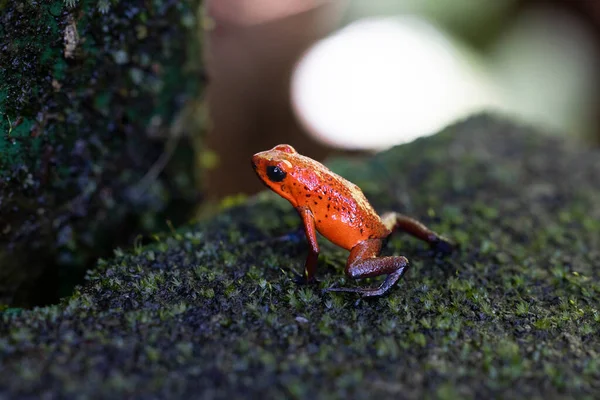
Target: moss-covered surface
<point>89,95</point>
<point>211,311</point>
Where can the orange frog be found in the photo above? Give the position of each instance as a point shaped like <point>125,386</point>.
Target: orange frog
<point>338,210</point>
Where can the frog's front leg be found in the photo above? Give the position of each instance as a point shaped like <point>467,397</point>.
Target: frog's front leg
<point>310,267</point>
<point>364,263</point>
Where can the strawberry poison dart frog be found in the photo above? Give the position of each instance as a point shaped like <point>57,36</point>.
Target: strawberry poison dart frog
<point>338,210</point>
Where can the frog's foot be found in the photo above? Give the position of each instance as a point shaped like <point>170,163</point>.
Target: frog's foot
<point>364,292</point>
<point>302,280</point>
<point>443,245</point>
<point>389,282</point>
<point>364,263</point>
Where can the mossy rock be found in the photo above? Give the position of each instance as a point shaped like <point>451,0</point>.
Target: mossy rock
<point>90,95</point>
<point>212,310</point>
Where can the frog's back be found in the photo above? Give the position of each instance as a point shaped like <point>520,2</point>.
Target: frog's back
<point>341,211</point>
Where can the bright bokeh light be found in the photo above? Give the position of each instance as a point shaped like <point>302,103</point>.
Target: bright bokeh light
<point>385,81</point>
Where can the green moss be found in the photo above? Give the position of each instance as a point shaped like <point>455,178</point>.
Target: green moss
<point>211,310</point>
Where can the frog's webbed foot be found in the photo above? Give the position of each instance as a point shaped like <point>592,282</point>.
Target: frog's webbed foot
<point>303,280</point>
<point>373,292</point>
<point>364,263</point>
<point>443,245</point>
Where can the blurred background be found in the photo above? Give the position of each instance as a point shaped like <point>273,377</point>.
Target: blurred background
<point>355,76</point>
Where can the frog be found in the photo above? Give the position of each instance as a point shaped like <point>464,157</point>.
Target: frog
<point>339,211</point>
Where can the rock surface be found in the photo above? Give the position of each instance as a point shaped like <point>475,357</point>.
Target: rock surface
<point>211,310</point>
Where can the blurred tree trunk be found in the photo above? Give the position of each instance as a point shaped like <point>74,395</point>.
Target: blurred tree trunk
<point>97,103</point>
<point>250,56</point>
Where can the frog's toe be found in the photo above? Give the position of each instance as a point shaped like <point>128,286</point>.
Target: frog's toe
<point>444,246</point>
<point>363,292</point>
<point>302,280</point>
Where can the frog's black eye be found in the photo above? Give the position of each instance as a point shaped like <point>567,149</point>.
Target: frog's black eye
<point>276,174</point>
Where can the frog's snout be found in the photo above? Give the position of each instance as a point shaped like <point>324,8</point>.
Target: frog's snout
<point>255,162</point>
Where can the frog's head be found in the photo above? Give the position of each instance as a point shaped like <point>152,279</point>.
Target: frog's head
<point>276,168</point>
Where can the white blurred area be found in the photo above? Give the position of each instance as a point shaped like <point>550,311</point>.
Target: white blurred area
<point>379,82</point>
<point>396,72</point>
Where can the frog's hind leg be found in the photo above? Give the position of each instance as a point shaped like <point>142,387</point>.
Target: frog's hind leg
<point>395,221</point>
<point>364,263</point>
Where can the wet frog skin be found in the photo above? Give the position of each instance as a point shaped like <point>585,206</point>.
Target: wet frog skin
<point>338,210</point>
